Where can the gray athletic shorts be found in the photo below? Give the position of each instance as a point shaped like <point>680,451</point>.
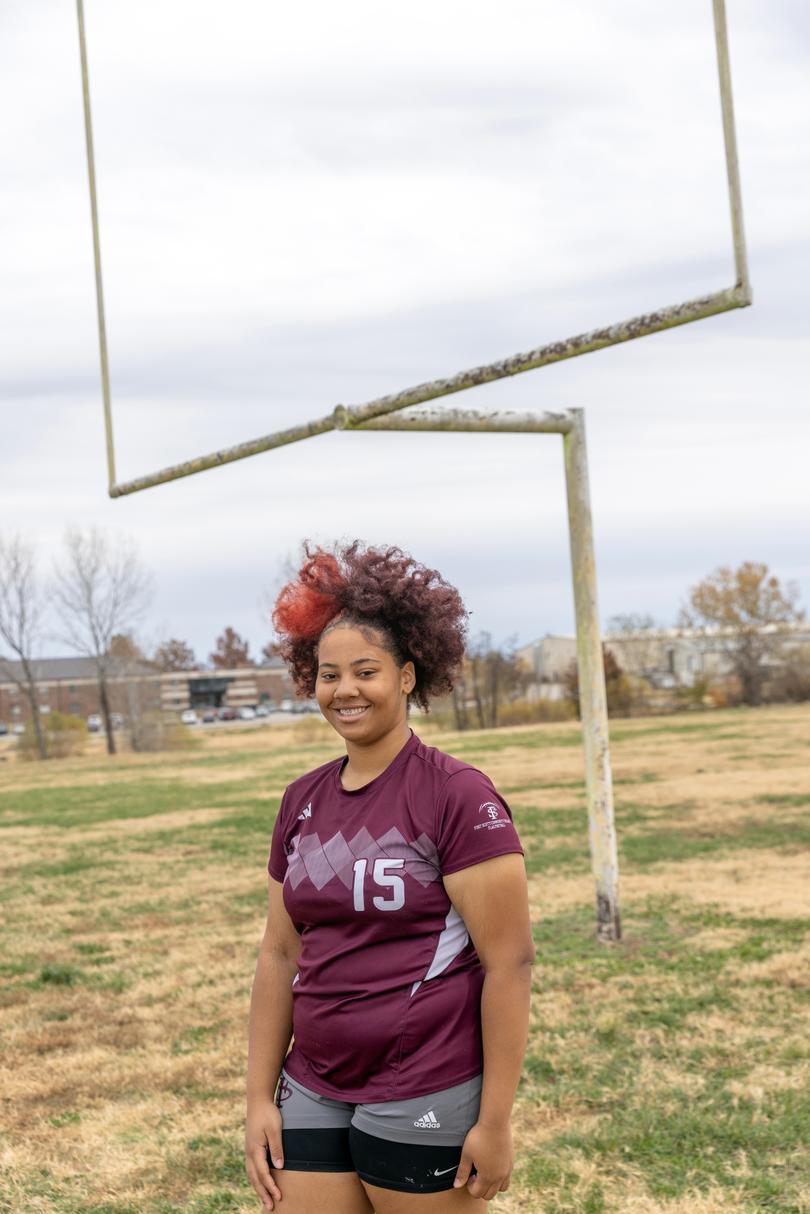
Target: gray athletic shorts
<point>442,1117</point>
<point>412,1145</point>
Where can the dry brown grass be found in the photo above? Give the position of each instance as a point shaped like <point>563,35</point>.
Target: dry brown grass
<point>108,1081</point>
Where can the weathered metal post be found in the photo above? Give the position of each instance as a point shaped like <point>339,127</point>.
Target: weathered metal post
<point>592,692</point>
<point>102,326</point>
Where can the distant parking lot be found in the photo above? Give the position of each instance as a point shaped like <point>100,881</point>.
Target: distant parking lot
<point>276,717</point>
<point>273,718</point>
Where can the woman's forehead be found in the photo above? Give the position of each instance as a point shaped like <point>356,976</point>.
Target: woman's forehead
<point>349,642</point>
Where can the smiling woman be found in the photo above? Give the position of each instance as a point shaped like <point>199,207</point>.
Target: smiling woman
<point>397,950</point>
<point>420,616</point>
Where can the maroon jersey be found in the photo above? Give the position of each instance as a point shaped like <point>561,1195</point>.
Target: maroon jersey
<point>386,1002</point>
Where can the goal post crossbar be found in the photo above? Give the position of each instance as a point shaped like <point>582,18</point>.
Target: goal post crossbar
<point>344,416</point>
<point>737,296</point>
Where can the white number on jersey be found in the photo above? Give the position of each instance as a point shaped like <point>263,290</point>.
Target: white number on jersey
<point>380,876</point>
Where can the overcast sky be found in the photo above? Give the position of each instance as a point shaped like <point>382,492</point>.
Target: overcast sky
<point>310,204</point>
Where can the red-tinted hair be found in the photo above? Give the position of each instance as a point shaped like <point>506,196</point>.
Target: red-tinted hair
<point>418,616</point>
<point>304,607</point>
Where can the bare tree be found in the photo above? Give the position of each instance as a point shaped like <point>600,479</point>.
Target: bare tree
<point>22,606</point>
<point>476,653</point>
<point>619,696</point>
<point>460,704</point>
<point>496,677</point>
<point>631,621</point>
<point>270,651</point>
<point>746,609</point>
<point>101,589</point>
<point>636,644</point>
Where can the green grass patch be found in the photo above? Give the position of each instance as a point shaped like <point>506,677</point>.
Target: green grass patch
<point>192,1039</point>
<point>217,1159</point>
<point>799,800</point>
<point>662,845</point>
<point>646,997</point>
<point>60,975</point>
<point>727,1142</point>
<point>84,806</point>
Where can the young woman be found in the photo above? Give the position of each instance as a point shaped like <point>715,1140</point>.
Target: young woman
<point>398,949</point>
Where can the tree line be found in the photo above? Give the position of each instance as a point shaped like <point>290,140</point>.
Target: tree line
<point>99,590</point>
<point>745,612</point>
<point>91,603</point>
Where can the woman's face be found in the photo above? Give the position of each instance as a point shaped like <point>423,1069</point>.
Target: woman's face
<point>361,690</point>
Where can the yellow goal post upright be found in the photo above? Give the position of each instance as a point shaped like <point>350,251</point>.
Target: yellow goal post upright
<point>384,413</point>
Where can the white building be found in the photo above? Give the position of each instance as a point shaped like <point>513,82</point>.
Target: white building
<point>665,657</point>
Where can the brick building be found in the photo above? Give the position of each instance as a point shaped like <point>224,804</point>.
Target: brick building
<point>69,685</point>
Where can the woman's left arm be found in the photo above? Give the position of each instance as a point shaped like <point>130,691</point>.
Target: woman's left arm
<point>492,899</point>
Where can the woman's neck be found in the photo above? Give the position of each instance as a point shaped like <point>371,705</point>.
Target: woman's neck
<point>367,762</point>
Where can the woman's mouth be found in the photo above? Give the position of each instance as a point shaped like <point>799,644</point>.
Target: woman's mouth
<point>352,713</point>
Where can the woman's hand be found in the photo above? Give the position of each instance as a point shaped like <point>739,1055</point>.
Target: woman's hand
<point>263,1130</point>
<point>489,1150</point>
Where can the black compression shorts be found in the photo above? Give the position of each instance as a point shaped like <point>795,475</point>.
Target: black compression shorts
<point>411,1145</point>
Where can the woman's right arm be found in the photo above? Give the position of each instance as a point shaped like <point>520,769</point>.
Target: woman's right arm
<point>269,1037</point>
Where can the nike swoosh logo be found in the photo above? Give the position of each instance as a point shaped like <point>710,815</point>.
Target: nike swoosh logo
<point>436,1171</point>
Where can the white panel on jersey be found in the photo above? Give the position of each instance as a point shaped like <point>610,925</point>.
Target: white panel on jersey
<point>452,940</point>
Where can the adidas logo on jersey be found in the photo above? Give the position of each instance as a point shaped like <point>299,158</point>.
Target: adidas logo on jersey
<point>428,1122</point>
<point>307,812</point>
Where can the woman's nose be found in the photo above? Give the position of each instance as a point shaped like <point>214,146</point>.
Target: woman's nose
<point>346,687</point>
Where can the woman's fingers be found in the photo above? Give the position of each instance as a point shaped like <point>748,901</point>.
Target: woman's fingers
<point>266,1176</point>
<point>263,1149</point>
<point>483,1186</point>
<point>464,1169</point>
<point>262,1193</point>
<point>487,1148</point>
<point>261,1177</point>
<point>274,1148</point>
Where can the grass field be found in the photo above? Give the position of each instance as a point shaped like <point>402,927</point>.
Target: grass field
<point>667,1075</point>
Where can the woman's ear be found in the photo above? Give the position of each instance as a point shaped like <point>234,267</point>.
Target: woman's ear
<point>408,675</point>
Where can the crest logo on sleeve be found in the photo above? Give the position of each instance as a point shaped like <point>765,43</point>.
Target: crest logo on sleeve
<point>495,816</point>
<point>307,812</point>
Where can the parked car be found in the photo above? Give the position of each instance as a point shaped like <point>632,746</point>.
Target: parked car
<point>3,729</point>
<point>245,713</point>
<point>19,728</point>
<point>209,715</point>
<point>286,706</point>
<point>227,714</point>
<point>262,710</point>
<point>188,716</point>
<point>117,720</point>
<point>94,723</point>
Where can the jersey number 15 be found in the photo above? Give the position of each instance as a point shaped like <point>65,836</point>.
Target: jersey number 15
<point>381,876</point>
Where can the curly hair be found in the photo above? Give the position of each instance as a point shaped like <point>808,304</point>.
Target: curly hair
<point>416,614</point>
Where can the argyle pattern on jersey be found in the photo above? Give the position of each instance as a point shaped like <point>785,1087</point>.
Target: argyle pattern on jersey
<point>322,862</point>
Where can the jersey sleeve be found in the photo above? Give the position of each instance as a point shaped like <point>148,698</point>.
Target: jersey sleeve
<point>277,862</point>
<point>473,822</point>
